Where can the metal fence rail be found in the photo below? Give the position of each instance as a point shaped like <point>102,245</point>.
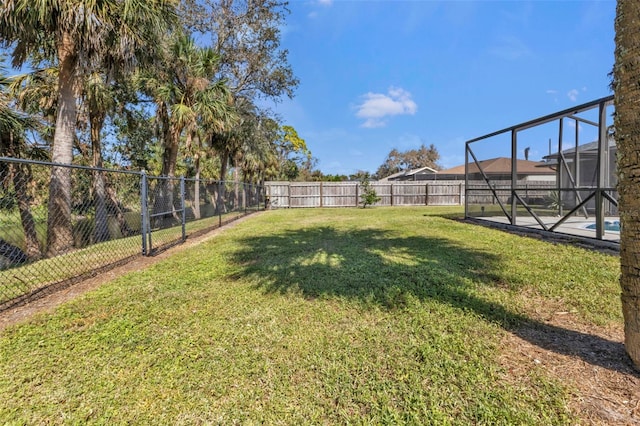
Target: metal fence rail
<point>113,216</point>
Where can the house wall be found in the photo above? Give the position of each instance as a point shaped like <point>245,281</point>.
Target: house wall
<point>588,178</point>
<point>539,178</point>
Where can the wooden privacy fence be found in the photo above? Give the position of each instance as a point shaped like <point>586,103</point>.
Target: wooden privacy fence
<point>347,194</point>
<point>531,192</point>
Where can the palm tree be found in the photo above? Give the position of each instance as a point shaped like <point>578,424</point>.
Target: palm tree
<point>186,97</point>
<point>73,34</point>
<point>210,121</point>
<point>100,100</point>
<point>626,79</point>
<point>13,126</point>
<point>234,142</point>
<point>256,150</point>
<point>35,93</point>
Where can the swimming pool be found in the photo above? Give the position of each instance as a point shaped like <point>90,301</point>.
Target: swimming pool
<point>609,225</point>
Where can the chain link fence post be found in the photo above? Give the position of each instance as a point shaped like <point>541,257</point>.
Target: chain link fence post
<point>115,216</point>
<point>144,215</point>
<point>182,207</point>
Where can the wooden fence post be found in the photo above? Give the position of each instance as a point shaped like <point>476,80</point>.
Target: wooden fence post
<point>426,194</point>
<point>357,187</point>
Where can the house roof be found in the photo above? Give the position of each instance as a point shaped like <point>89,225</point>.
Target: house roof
<point>408,173</point>
<point>501,166</point>
<point>587,148</point>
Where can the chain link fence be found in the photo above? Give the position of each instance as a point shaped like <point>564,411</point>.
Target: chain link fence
<point>101,218</point>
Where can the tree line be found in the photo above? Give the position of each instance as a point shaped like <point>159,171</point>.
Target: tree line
<point>171,87</point>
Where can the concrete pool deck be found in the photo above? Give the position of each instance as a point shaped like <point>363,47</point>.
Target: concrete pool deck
<point>572,227</point>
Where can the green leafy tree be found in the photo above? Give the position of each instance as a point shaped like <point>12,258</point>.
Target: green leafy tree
<point>398,161</point>
<point>75,34</point>
<point>360,175</point>
<point>36,93</point>
<point>103,90</point>
<point>392,164</point>
<point>134,129</point>
<point>307,171</point>
<point>99,100</point>
<point>189,100</point>
<point>335,178</point>
<point>246,35</point>
<point>245,145</point>
<point>422,157</point>
<point>259,157</point>
<point>293,154</point>
<point>186,95</point>
<point>13,126</point>
<point>368,196</point>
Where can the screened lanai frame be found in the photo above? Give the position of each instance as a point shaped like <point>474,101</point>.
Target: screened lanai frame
<point>566,205</point>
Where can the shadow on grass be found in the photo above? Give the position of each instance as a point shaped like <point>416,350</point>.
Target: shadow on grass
<point>380,269</point>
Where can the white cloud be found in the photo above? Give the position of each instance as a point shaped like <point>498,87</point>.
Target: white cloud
<point>374,123</point>
<point>573,95</point>
<point>377,106</point>
<point>552,92</point>
<point>325,2</point>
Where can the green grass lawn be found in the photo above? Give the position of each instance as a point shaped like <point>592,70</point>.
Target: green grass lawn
<point>17,281</point>
<point>311,316</point>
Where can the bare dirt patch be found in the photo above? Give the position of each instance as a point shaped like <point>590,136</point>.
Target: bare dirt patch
<point>590,361</point>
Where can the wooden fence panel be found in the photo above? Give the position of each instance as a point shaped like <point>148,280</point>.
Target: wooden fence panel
<point>532,192</point>
<point>431,193</point>
<point>305,194</point>
<point>337,194</point>
<point>410,194</point>
<point>384,192</point>
<point>277,194</point>
<point>347,194</point>
<point>444,193</point>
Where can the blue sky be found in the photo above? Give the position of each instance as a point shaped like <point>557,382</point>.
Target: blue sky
<point>377,75</point>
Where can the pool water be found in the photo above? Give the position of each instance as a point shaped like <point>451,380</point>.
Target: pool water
<point>609,225</point>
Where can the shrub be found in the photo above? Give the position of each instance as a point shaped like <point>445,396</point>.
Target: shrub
<point>369,195</point>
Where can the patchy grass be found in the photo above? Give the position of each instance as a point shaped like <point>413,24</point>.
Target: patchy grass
<point>384,315</point>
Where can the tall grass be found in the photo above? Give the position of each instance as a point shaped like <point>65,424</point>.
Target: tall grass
<point>344,316</point>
